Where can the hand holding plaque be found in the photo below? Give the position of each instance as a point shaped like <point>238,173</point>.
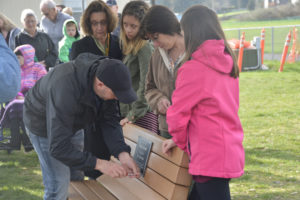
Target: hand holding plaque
<point>129,164</point>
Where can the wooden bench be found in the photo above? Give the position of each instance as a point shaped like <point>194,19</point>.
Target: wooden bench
<point>165,177</point>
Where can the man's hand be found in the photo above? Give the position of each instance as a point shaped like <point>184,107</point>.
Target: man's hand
<point>128,163</point>
<point>163,105</point>
<point>110,168</point>
<point>167,146</point>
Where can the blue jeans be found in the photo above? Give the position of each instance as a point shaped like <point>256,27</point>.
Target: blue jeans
<point>56,175</point>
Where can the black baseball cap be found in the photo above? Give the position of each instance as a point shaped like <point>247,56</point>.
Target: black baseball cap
<point>111,3</point>
<point>115,75</point>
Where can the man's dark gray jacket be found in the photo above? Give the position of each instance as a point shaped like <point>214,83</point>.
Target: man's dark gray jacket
<point>63,102</point>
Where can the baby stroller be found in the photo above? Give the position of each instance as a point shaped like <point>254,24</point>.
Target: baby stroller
<point>12,119</point>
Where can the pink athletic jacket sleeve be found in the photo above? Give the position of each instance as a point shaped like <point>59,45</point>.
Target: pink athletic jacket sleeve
<point>186,95</point>
<point>42,72</point>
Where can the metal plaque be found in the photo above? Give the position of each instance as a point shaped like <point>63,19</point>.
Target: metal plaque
<point>142,152</point>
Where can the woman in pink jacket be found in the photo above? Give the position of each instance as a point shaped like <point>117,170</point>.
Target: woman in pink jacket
<point>203,118</point>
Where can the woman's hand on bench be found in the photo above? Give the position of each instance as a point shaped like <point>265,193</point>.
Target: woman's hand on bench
<point>111,169</point>
<point>129,164</point>
<point>167,146</point>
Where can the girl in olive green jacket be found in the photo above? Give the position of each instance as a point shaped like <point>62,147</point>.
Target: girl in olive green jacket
<point>137,53</point>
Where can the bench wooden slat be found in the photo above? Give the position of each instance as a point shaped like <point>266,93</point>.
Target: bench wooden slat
<point>178,157</point>
<point>99,191</point>
<point>122,187</point>
<point>166,168</point>
<point>72,194</point>
<point>161,185</point>
<point>90,190</point>
<point>84,191</point>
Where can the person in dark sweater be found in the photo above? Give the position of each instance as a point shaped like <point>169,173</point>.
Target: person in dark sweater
<point>43,45</point>
<point>70,97</point>
<point>97,22</point>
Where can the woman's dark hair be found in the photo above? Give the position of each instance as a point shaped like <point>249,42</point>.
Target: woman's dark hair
<point>199,24</point>
<point>161,19</point>
<point>97,6</point>
<point>18,53</point>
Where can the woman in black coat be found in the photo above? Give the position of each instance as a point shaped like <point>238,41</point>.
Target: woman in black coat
<point>97,23</point>
<point>45,51</point>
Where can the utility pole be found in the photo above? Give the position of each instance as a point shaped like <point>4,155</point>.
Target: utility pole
<point>213,4</point>
<point>152,2</point>
<point>82,5</point>
<point>238,4</point>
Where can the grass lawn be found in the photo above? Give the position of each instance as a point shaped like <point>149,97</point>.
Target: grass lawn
<point>233,13</point>
<point>270,114</point>
<point>279,33</point>
<point>247,24</point>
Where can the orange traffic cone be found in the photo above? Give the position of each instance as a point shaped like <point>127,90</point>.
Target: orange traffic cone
<point>262,44</point>
<point>285,50</point>
<point>292,55</point>
<point>241,51</point>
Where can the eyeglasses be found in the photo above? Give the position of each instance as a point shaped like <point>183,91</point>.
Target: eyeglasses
<point>101,23</point>
<point>30,21</point>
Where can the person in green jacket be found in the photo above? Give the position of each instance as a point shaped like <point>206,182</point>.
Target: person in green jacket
<point>137,53</point>
<point>71,34</point>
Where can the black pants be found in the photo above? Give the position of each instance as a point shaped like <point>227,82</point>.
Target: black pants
<point>215,189</point>
<point>16,137</point>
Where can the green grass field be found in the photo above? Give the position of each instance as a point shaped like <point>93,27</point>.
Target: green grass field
<point>279,33</point>
<point>269,111</point>
<point>233,13</point>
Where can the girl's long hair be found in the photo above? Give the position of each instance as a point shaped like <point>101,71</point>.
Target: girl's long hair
<point>199,24</point>
<point>137,9</point>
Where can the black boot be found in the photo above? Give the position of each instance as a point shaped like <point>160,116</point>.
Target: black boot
<point>15,141</point>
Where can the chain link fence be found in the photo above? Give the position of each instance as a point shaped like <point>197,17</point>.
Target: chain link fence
<point>275,37</point>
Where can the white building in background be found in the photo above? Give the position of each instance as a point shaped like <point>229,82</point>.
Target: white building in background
<point>271,3</point>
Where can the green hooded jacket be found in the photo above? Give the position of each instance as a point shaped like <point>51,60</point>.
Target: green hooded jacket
<point>65,44</point>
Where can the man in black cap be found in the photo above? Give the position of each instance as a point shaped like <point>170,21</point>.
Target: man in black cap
<point>72,97</point>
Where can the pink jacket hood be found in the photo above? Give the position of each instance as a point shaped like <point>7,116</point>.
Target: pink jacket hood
<point>30,71</point>
<point>212,54</point>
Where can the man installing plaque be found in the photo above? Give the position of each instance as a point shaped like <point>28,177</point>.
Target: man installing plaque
<point>69,98</point>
